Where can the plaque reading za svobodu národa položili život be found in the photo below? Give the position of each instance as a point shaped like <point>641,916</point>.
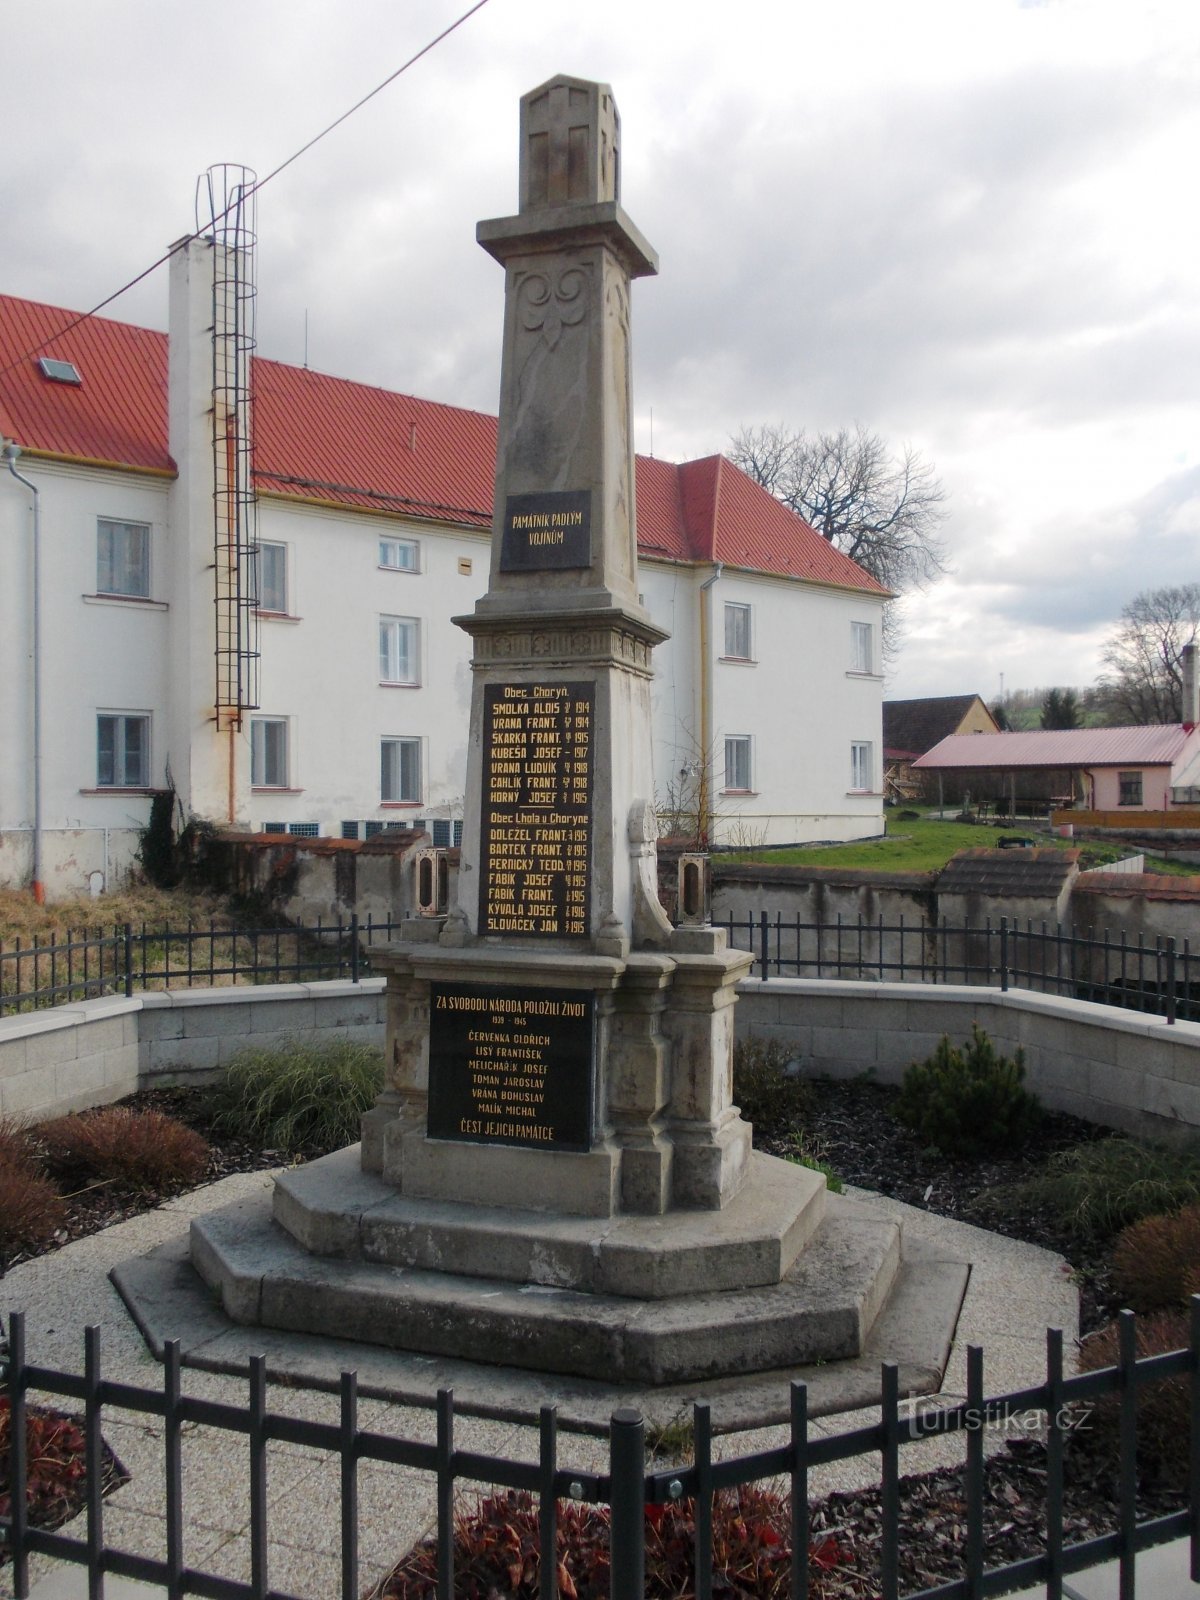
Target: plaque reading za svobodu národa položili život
<point>537,809</point>
<point>510,1065</point>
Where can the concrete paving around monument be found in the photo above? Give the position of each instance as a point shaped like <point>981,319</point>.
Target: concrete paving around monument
<point>1014,1292</point>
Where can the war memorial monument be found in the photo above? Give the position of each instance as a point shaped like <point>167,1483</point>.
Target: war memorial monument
<point>555,1177</point>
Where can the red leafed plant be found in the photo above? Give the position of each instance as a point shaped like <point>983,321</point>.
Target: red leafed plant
<point>497,1554</point>
<point>56,1473</point>
<point>133,1149</point>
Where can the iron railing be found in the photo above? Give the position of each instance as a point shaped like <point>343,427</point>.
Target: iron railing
<point>1160,976</point>
<point>123,959</point>
<point>627,1488</point>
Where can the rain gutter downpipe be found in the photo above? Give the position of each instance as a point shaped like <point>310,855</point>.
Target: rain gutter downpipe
<point>11,454</point>
<point>707,754</point>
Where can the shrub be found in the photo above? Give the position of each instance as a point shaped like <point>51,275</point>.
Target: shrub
<point>14,1144</point>
<point>31,1209</point>
<point>497,1551</point>
<point>769,1094</point>
<point>135,1149</point>
<point>299,1097</point>
<point>1156,1262</point>
<point>1163,1407</point>
<point>970,1101</point>
<point>1095,1189</point>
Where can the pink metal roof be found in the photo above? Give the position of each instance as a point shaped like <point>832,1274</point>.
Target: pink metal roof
<point>1153,746</point>
<point>328,440</point>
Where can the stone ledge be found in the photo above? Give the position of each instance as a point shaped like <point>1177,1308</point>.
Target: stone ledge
<point>332,1208</point>
<point>822,1310</point>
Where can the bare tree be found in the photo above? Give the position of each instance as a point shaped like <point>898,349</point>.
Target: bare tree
<point>1145,683</point>
<point>881,509</point>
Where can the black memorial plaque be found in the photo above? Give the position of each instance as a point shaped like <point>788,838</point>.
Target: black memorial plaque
<point>547,531</point>
<point>536,844</point>
<point>510,1065</point>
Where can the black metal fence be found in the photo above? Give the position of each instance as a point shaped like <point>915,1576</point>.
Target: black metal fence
<point>1160,976</point>
<point>627,1488</point>
<point>124,959</point>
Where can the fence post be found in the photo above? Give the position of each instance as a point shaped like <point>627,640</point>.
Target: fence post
<point>627,1458</point>
<point>1171,992</point>
<point>18,1460</point>
<point>129,961</point>
<point>354,948</point>
<point>1003,955</point>
<point>764,938</point>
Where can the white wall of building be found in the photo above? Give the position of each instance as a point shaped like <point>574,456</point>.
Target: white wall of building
<point>797,697</point>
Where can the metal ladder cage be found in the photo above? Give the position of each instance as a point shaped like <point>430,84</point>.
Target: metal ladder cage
<point>226,212</point>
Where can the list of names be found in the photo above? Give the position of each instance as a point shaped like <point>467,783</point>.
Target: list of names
<point>537,809</point>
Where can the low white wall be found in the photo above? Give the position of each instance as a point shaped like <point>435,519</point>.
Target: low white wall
<point>1118,1068</point>
<point>93,1053</point>
<point>1110,1066</point>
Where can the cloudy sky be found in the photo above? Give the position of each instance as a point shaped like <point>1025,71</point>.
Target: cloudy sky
<point>968,224</point>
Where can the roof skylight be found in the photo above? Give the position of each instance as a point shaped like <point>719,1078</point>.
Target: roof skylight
<point>59,371</point>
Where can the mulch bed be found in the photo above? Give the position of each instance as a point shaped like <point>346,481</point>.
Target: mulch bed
<point>852,1125</point>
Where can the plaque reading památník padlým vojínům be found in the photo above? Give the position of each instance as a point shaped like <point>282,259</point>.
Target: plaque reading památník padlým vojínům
<point>547,531</point>
<point>537,809</point>
<point>509,1065</point>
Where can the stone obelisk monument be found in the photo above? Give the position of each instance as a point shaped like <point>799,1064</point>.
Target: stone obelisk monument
<point>624,1104</point>
<point>558,1105</point>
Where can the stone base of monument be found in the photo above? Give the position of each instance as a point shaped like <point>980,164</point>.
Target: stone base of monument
<point>768,1283</point>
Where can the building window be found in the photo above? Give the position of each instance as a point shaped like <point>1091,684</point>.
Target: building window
<point>268,752</point>
<point>737,762</point>
<point>861,767</point>
<point>122,751</point>
<point>399,644</point>
<point>400,770</point>
<point>271,571</point>
<point>737,633</point>
<point>862,647</point>
<point>1130,788</point>
<point>123,558</point>
<point>401,555</point>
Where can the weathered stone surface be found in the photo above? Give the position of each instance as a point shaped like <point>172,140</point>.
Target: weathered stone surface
<point>332,1208</point>
<point>821,1310</point>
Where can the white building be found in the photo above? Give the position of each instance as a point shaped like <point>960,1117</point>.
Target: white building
<point>373,515</point>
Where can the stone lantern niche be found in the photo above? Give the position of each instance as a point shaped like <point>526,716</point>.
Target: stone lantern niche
<point>558,1106</point>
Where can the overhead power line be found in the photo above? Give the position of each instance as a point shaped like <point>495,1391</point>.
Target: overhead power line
<point>261,183</point>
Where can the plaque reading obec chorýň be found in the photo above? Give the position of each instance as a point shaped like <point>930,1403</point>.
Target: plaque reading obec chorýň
<point>509,1065</point>
<point>536,839</point>
<point>546,531</point>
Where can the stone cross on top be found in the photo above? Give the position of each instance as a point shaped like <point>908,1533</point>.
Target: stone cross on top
<point>570,145</point>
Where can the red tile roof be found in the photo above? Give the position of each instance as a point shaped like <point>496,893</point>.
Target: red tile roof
<point>1156,745</point>
<point>326,439</point>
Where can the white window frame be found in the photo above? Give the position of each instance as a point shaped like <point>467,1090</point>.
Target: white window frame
<point>739,619</point>
<point>862,767</point>
<point>266,763</point>
<point>280,591</point>
<point>739,748</point>
<point>862,648</point>
<point>397,666</point>
<point>398,786</point>
<point>390,546</point>
<point>113,567</point>
<point>119,776</point>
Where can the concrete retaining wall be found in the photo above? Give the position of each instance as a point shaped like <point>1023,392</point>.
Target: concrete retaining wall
<point>1110,1066</point>
<point>1117,1068</point>
<point>93,1053</point>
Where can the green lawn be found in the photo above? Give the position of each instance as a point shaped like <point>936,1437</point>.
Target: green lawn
<point>926,844</point>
